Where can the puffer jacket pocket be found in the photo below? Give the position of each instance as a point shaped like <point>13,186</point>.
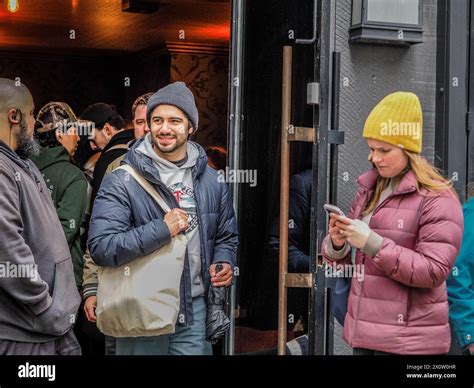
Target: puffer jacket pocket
<point>407,315</point>
<point>61,315</point>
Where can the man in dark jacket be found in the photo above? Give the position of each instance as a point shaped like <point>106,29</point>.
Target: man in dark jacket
<point>126,223</point>
<point>38,295</point>
<point>110,136</point>
<point>112,139</point>
<point>298,244</point>
<point>114,152</point>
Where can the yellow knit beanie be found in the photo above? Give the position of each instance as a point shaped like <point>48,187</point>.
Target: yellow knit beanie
<point>396,120</point>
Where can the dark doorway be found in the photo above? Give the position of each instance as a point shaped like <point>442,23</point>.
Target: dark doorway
<point>269,25</point>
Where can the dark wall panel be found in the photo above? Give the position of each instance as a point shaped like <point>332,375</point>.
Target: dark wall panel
<point>269,25</point>
<point>368,73</point>
<point>79,81</point>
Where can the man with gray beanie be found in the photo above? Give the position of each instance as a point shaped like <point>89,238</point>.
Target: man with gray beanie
<point>126,223</point>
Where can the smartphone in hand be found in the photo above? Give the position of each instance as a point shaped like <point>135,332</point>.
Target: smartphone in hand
<point>333,209</point>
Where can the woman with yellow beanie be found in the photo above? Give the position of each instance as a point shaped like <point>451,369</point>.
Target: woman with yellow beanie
<point>404,230</point>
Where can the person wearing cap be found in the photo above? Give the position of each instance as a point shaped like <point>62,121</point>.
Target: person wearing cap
<point>126,223</point>
<point>404,230</point>
<point>38,296</point>
<point>57,130</point>
<point>109,136</point>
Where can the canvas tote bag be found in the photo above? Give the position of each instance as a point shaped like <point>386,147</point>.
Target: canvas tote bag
<point>141,298</point>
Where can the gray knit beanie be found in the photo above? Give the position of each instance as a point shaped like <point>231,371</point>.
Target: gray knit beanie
<point>178,95</point>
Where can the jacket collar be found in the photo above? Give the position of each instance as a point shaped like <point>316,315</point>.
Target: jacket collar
<point>122,137</point>
<point>49,156</point>
<point>12,155</point>
<point>147,168</point>
<point>20,162</point>
<point>368,180</point>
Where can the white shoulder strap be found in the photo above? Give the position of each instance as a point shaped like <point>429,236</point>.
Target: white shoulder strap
<point>118,147</point>
<point>146,186</point>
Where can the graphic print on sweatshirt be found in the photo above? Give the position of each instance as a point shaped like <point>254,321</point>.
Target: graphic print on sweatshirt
<point>186,199</point>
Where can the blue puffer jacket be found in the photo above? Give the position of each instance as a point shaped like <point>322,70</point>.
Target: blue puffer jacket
<point>460,286</point>
<point>127,224</point>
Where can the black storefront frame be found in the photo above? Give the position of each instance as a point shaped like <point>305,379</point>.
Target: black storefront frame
<point>455,92</point>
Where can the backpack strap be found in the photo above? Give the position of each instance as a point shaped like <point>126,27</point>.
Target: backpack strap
<point>114,164</point>
<point>118,147</point>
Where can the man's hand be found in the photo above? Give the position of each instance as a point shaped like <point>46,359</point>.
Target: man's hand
<point>89,308</point>
<point>222,278</point>
<point>176,220</point>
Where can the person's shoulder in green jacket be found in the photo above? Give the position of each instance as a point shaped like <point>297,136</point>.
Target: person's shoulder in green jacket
<point>68,188</point>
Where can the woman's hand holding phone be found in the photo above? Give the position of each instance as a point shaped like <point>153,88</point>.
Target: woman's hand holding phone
<point>338,240</point>
<point>357,232</point>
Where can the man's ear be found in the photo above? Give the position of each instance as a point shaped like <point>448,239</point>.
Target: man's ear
<point>59,135</point>
<point>190,131</point>
<point>109,131</point>
<point>14,116</point>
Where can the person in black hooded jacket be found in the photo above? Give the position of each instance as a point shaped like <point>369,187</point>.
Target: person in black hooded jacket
<point>298,242</point>
<point>110,137</point>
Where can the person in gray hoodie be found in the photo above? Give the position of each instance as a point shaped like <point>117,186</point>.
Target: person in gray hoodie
<point>38,295</point>
<point>126,223</point>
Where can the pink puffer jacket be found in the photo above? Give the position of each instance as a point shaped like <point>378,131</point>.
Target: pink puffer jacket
<point>401,306</point>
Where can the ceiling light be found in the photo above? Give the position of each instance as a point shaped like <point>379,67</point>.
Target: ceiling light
<point>13,5</point>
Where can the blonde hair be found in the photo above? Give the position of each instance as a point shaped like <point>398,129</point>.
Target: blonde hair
<point>427,177</point>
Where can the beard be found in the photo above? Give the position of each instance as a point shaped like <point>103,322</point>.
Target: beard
<point>180,141</point>
<point>26,146</point>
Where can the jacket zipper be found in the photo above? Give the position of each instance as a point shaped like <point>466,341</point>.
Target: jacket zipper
<point>408,306</point>
<point>176,203</point>
<point>201,244</point>
<point>360,297</point>
<point>390,197</point>
<point>34,177</point>
<point>193,178</point>
<point>363,257</point>
<point>361,287</point>
<point>375,210</point>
